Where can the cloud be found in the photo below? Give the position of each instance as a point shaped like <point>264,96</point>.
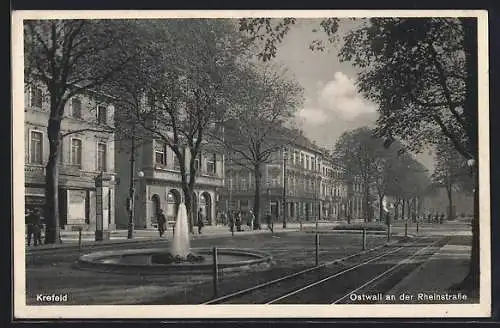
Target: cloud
<point>312,115</point>
<point>339,96</point>
<point>332,107</point>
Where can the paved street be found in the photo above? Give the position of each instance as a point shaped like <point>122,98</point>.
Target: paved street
<point>53,271</point>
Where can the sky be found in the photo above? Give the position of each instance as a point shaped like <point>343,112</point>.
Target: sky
<point>332,104</point>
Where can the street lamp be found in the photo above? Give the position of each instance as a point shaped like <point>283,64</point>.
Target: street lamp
<point>285,155</point>
<point>474,264</point>
<point>472,164</point>
<point>131,203</point>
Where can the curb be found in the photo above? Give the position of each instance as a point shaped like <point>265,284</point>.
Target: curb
<point>74,246</point>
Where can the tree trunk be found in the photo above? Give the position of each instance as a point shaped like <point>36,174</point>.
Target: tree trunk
<point>403,206</point>
<point>450,201</point>
<point>51,213</point>
<point>256,203</point>
<point>188,201</point>
<point>471,111</point>
<point>380,208</point>
<point>396,212</point>
<point>366,211</point>
<point>408,211</point>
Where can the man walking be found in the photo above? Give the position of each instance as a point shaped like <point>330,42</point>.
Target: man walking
<point>231,222</point>
<point>161,220</point>
<point>37,229</point>
<point>251,220</point>
<point>269,220</point>
<point>200,221</point>
<point>30,225</point>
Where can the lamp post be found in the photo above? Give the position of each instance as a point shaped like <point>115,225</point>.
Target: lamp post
<point>316,240</point>
<point>474,269</point>
<point>131,202</point>
<point>284,188</point>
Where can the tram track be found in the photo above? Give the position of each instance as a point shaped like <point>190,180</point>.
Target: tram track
<point>285,288</point>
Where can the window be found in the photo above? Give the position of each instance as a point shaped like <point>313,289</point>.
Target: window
<point>197,162</point>
<point>176,162</point>
<point>160,153</point>
<point>76,152</point>
<point>36,97</point>
<point>101,114</point>
<point>101,157</point>
<point>274,181</point>
<point>211,162</point>
<point>36,147</point>
<point>76,108</point>
<point>243,183</point>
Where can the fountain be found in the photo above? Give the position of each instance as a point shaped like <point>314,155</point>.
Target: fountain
<point>180,250</point>
<point>181,244</point>
<point>179,257</point>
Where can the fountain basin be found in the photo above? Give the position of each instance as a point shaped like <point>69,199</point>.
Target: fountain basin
<point>140,261</point>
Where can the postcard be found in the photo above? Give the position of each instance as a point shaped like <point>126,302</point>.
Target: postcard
<point>251,164</point>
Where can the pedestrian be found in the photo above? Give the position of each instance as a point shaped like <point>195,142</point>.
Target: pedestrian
<point>269,220</point>
<point>251,220</point>
<point>231,222</point>
<point>238,221</point>
<point>161,220</point>
<point>441,218</point>
<point>37,228</point>
<point>30,221</point>
<point>200,220</point>
<point>429,218</point>
<point>224,218</point>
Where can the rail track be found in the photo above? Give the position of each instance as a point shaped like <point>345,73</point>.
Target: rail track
<point>332,282</point>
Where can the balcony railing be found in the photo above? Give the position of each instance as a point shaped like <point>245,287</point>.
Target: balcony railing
<point>70,169</point>
<point>34,170</point>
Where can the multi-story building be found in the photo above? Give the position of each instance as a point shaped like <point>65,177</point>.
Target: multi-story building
<point>356,198</point>
<point>301,175</point>
<point>157,181</point>
<point>87,147</point>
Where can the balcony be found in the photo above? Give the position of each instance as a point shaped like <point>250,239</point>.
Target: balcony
<point>70,170</point>
<point>173,175</point>
<point>34,172</point>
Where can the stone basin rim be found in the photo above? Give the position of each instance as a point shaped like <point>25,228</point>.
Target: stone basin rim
<point>91,259</point>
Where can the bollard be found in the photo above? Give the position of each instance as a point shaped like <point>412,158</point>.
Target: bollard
<point>388,232</point>
<point>406,229</point>
<point>317,249</point>
<point>364,238</point>
<point>417,227</point>
<point>215,270</point>
<point>79,238</point>
<point>300,225</point>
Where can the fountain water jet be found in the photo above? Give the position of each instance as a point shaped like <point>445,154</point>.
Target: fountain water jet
<point>181,243</point>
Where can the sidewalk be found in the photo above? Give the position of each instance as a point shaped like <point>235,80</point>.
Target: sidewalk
<point>445,268</point>
<point>70,238</point>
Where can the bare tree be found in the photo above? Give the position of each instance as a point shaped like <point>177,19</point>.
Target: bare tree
<point>255,129</point>
<point>178,90</point>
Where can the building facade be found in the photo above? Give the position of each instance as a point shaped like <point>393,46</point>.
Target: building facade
<point>158,185</point>
<point>300,182</point>
<point>86,152</point>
